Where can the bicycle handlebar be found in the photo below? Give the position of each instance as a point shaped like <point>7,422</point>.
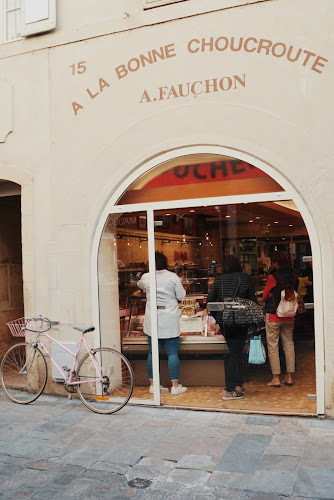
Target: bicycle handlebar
<point>42,320</point>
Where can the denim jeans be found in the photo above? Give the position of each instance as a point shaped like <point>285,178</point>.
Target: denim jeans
<point>172,350</point>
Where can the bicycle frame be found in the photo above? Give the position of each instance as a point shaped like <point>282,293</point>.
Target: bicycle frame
<point>69,380</point>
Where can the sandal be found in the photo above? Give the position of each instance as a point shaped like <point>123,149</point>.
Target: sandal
<point>271,384</point>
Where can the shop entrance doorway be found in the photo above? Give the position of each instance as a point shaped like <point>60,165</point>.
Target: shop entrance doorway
<point>11,291</point>
<point>196,210</point>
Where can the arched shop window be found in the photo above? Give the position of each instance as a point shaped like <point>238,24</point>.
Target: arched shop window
<point>199,177</point>
<point>246,213</point>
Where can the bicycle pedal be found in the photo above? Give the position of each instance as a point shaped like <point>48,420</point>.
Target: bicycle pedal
<point>101,398</point>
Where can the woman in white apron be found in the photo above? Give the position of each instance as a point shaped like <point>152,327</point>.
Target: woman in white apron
<point>169,292</point>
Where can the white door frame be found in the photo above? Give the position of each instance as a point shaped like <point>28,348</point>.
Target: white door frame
<point>289,193</point>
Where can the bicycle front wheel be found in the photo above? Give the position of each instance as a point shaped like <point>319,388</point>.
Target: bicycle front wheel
<point>106,380</point>
<point>23,373</point>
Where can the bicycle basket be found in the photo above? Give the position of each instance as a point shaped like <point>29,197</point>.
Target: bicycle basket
<point>17,327</point>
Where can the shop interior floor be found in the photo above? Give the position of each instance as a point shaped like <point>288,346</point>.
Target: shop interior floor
<point>259,397</point>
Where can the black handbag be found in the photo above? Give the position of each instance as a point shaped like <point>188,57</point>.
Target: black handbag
<point>240,311</point>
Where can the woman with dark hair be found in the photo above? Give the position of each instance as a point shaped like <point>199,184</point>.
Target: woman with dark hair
<point>232,283</point>
<point>281,276</point>
<point>169,292</point>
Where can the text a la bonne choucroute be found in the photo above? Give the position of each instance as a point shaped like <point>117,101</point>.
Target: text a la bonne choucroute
<point>249,45</point>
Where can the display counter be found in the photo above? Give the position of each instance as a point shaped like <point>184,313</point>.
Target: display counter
<point>188,344</point>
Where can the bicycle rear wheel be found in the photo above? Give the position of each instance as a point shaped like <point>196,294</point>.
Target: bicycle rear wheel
<point>116,387</point>
<point>23,373</point>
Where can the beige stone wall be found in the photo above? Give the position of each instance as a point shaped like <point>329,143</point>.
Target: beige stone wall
<point>72,157</point>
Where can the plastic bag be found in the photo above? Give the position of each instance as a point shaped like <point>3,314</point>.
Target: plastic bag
<point>257,352</point>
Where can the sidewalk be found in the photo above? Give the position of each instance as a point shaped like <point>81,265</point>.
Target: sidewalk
<point>56,448</point>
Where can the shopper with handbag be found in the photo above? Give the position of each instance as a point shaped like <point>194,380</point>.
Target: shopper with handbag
<point>281,277</point>
<point>232,283</point>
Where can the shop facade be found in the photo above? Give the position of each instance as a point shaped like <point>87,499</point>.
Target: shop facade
<point>104,117</point>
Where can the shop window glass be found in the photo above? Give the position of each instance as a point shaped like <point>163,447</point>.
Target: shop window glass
<point>198,177</point>
<point>195,241</point>
<point>123,256</point>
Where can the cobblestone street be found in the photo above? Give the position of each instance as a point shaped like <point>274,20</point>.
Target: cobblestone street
<point>56,448</point>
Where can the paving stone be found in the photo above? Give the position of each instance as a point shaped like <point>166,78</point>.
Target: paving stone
<point>194,418</point>
<point>162,422</point>
<point>280,482</point>
<point>315,482</point>
<point>96,474</point>
<point>318,454</point>
<point>321,432</point>
<point>49,493</point>
<point>63,480</point>
<point>100,487</point>
<point>49,453</point>
<point>293,426</point>
<point>221,432</point>
<point>265,496</point>
<point>230,480</point>
<point>19,461</point>
<point>279,462</point>
<point>199,496</point>
<point>228,420</point>
<point>166,486</point>
<point>195,490</point>
<point>178,496</point>
<point>82,457</point>
<point>151,468</point>
<point>199,462</point>
<point>287,445</point>
<point>213,447</point>
<point>152,495</point>
<point>262,420</point>
<point>183,434</point>
<point>129,492</point>
<point>24,493</point>
<point>167,451</point>
<point>172,414</point>
<point>75,489</point>
<point>68,469</point>
<point>8,470</point>
<point>256,429</point>
<point>110,467</point>
<point>230,493</point>
<point>29,477</point>
<point>39,465</point>
<point>327,423</point>
<point>26,447</point>
<point>244,453</point>
<point>189,477</point>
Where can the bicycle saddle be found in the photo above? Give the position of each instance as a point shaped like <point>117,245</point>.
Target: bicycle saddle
<point>84,329</point>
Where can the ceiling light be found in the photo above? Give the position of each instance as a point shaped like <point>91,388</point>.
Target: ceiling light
<point>268,225</point>
<point>276,222</point>
<point>251,220</point>
<point>227,216</point>
<point>257,217</point>
<point>192,210</point>
<point>290,225</point>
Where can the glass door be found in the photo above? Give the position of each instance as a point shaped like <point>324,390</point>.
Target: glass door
<point>123,264</point>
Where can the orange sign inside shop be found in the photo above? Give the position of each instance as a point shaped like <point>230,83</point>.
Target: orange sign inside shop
<point>217,171</point>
